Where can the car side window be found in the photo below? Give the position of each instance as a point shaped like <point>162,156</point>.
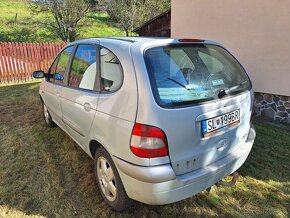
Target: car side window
<point>61,63</point>
<point>111,71</point>
<point>84,67</point>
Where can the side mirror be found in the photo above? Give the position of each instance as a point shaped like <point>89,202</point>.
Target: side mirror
<point>38,74</point>
<point>58,76</point>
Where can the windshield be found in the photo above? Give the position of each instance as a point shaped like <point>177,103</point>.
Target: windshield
<point>185,74</point>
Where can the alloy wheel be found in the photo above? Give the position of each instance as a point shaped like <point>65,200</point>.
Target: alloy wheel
<point>106,179</point>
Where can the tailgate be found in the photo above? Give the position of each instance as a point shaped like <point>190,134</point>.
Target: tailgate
<point>189,148</point>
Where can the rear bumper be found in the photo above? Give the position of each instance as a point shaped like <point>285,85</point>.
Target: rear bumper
<point>159,185</point>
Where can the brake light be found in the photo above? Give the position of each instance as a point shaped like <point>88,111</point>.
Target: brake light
<point>191,40</point>
<point>148,141</point>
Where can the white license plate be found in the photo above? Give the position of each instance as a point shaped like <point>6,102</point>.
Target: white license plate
<point>212,125</point>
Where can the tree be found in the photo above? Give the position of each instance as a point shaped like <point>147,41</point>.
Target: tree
<point>152,8</point>
<point>121,11</point>
<point>132,13</point>
<point>65,16</point>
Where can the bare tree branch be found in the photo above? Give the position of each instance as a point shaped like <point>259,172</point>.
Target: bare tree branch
<point>65,16</point>
<point>132,13</point>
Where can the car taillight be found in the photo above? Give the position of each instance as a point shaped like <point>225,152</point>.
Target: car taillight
<point>191,40</point>
<point>148,141</point>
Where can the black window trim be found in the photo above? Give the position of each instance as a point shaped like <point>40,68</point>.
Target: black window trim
<point>186,104</point>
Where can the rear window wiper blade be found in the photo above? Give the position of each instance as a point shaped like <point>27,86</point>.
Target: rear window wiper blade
<point>187,87</point>
<point>223,92</point>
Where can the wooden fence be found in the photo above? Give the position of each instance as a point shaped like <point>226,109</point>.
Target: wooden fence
<point>19,60</point>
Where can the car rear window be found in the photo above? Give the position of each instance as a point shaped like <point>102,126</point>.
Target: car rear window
<point>186,74</point>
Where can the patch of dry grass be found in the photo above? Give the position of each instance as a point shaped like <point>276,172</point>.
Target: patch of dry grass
<point>44,173</point>
<point>12,213</point>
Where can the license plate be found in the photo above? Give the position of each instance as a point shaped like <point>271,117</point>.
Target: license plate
<point>212,125</point>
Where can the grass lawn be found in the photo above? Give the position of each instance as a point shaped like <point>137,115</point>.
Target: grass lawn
<point>44,173</point>
<point>24,28</point>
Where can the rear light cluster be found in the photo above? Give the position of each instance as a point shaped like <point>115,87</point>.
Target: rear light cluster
<point>148,141</point>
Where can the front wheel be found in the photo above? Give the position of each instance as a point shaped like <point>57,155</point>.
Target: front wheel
<point>109,182</point>
<point>47,117</point>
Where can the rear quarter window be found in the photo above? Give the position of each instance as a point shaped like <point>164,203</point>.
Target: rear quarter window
<point>111,71</point>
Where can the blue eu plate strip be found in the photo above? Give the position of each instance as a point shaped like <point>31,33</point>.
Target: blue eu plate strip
<point>204,127</point>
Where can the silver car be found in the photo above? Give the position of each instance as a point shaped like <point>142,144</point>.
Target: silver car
<point>163,119</point>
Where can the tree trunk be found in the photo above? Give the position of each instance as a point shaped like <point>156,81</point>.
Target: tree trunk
<point>72,37</point>
<point>72,34</point>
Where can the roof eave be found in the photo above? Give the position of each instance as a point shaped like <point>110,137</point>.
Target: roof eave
<point>150,21</point>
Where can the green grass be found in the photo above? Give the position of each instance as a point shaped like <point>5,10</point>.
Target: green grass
<point>9,8</point>
<point>24,28</point>
<point>44,173</point>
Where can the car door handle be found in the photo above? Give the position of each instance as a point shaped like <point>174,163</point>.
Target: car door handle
<point>87,106</point>
<point>57,94</point>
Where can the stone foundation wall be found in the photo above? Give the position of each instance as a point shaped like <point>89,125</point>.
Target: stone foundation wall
<point>274,107</point>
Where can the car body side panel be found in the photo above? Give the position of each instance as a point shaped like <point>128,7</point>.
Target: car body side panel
<point>115,134</point>
<point>123,102</point>
<point>116,111</point>
<point>50,94</point>
<point>79,108</point>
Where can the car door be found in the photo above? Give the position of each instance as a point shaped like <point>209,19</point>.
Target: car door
<point>79,99</point>
<point>52,90</point>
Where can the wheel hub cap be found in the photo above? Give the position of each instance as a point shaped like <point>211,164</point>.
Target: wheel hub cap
<point>106,178</point>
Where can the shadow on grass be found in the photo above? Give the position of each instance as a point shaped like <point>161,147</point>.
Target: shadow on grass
<point>44,172</point>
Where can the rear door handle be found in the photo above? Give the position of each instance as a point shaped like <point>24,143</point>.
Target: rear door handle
<point>57,94</point>
<point>87,106</point>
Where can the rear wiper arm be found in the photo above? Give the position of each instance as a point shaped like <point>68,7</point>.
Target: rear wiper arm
<point>223,92</point>
<point>184,86</point>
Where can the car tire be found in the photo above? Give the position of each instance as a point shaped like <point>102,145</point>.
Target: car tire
<point>47,117</point>
<point>109,181</point>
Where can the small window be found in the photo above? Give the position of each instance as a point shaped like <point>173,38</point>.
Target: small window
<point>60,64</point>
<point>111,71</point>
<point>84,68</point>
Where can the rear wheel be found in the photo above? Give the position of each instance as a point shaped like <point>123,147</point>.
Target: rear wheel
<point>47,117</point>
<point>109,182</point>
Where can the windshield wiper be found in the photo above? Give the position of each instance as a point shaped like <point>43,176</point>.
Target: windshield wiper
<point>177,82</point>
<point>223,92</point>
<point>187,87</point>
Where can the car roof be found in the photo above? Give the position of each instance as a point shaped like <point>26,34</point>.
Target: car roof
<point>137,40</point>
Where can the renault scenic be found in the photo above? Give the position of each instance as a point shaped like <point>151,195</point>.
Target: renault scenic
<point>163,119</point>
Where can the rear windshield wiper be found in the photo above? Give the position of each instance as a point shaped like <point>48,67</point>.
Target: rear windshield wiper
<point>223,92</point>
<point>184,86</point>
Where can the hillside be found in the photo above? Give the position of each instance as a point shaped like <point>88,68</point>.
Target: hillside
<point>17,23</point>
